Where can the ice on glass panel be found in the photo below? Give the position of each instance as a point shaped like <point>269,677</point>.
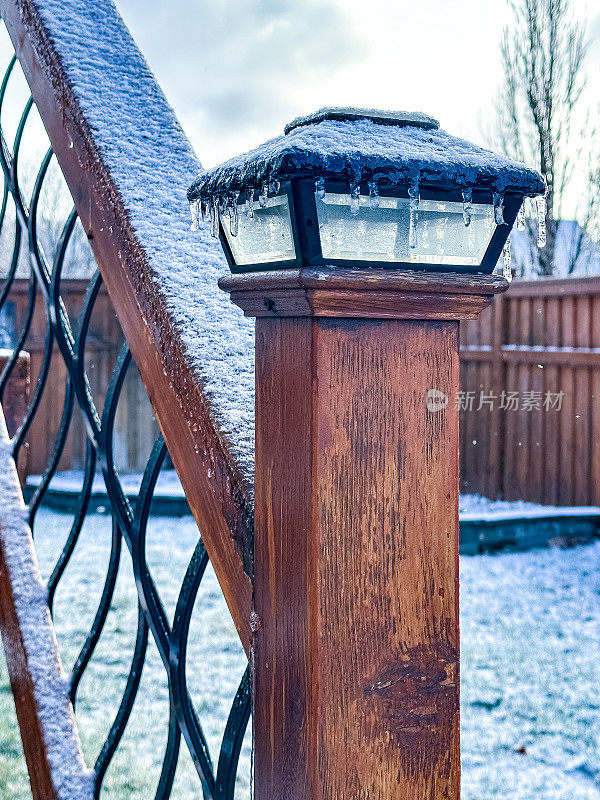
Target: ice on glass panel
<point>382,233</point>
<point>265,237</point>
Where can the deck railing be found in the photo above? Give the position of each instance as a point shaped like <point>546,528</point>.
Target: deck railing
<point>128,189</point>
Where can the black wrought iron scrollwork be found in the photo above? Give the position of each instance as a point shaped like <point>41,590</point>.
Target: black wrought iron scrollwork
<point>67,341</point>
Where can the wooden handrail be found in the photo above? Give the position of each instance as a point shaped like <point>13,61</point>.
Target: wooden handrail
<point>48,730</point>
<point>127,164</point>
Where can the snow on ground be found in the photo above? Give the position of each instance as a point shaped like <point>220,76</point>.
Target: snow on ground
<point>215,657</point>
<point>477,507</point>
<point>530,633</point>
<point>168,484</point>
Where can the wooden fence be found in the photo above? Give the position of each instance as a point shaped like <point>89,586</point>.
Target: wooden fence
<point>530,443</point>
<point>539,441</point>
<point>135,426</point>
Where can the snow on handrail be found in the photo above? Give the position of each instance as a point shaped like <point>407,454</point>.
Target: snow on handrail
<point>40,687</point>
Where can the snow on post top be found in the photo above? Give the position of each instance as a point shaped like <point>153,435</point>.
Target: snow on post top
<point>348,114</point>
<point>390,148</point>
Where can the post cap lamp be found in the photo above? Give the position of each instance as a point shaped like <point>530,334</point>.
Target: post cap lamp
<point>353,187</point>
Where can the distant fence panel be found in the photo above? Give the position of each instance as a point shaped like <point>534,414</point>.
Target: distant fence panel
<point>135,425</point>
<point>530,394</point>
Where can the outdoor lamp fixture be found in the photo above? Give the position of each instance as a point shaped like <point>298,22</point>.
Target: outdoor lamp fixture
<point>352,187</point>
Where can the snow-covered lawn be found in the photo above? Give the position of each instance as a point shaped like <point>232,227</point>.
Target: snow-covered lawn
<point>530,627</point>
<point>477,507</point>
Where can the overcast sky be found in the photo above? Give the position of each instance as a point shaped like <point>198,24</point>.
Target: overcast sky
<point>237,70</point>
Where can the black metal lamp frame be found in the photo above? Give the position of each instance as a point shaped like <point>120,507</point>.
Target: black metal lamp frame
<point>300,192</point>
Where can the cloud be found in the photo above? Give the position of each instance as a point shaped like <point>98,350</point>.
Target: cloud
<point>593,31</point>
<point>232,68</point>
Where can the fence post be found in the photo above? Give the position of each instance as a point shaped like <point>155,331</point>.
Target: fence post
<point>16,399</point>
<point>356,644</point>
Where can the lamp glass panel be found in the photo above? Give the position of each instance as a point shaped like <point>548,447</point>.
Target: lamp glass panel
<point>266,237</point>
<point>382,233</point>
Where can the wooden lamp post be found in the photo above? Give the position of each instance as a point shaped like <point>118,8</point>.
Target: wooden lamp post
<point>360,241</point>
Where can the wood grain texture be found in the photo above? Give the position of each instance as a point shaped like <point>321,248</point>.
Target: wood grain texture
<point>496,422</point>
<point>356,649</point>
<point>217,492</point>
<point>366,280</point>
<point>355,304</point>
<point>284,678</point>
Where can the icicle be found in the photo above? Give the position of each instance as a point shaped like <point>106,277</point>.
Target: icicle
<point>320,187</point>
<point>233,214</point>
<point>471,238</point>
<point>355,198</point>
<point>275,186</point>
<point>195,215</point>
<point>521,217</point>
<point>264,194</point>
<point>467,199</point>
<point>413,194</point>
<point>541,218</point>
<point>499,209</point>
<point>373,195</point>
<point>214,216</point>
<point>222,205</point>
<point>249,208</point>
<point>506,257</point>
<point>204,210</point>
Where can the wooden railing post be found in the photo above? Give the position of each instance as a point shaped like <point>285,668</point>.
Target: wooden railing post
<point>356,643</point>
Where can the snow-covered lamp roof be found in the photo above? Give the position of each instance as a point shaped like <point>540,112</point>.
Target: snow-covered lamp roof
<point>392,148</point>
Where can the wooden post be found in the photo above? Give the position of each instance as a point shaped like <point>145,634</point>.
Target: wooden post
<point>356,641</point>
<point>16,400</point>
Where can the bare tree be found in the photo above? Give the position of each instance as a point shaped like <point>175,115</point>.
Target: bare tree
<point>54,207</point>
<point>543,56</point>
<point>592,222</point>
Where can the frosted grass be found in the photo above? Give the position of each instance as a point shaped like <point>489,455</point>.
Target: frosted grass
<point>530,628</point>
<point>216,660</point>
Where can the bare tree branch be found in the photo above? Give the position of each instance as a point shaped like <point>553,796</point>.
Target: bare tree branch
<point>543,56</point>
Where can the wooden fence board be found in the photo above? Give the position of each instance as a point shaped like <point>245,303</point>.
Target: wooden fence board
<point>595,381</point>
<point>551,419</point>
<point>135,429</point>
<point>581,421</point>
<point>542,337</point>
